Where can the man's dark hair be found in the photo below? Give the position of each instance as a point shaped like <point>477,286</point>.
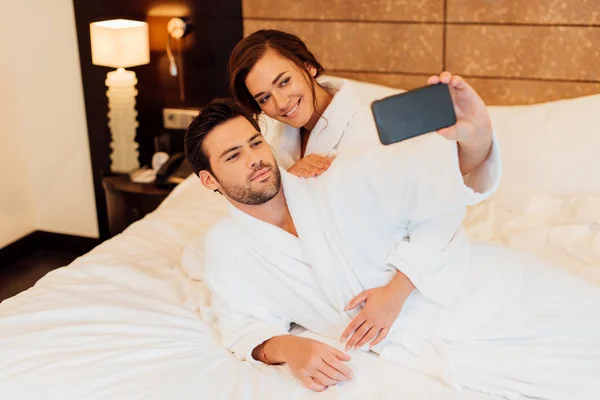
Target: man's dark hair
<point>214,114</point>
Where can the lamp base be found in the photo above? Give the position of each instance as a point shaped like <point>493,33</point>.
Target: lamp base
<point>122,120</point>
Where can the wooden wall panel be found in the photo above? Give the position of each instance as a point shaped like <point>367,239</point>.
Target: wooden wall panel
<point>512,51</point>
<point>566,53</point>
<point>357,46</point>
<point>524,91</point>
<point>565,12</point>
<point>355,10</point>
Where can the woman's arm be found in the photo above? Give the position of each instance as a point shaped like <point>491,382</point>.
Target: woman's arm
<point>473,128</point>
<point>418,188</point>
<point>382,307</point>
<point>473,155</point>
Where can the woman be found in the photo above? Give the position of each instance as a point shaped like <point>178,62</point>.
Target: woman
<point>274,72</point>
<point>309,122</point>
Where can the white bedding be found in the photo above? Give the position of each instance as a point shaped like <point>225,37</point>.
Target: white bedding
<point>125,322</point>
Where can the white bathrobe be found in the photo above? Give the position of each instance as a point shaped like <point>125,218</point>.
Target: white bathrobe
<point>481,317</point>
<point>348,125</point>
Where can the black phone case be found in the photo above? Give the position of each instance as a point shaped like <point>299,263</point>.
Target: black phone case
<point>406,115</point>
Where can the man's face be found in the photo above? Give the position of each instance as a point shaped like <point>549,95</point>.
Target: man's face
<point>244,167</point>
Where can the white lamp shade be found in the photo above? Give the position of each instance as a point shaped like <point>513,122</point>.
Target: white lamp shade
<point>119,43</point>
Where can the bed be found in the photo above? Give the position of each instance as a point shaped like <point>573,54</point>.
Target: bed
<point>129,319</point>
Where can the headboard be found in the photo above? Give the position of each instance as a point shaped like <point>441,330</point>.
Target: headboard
<point>510,51</point>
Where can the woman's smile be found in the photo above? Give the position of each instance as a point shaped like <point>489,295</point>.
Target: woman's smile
<point>292,111</point>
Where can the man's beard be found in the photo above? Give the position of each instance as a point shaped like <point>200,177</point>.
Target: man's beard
<point>250,196</point>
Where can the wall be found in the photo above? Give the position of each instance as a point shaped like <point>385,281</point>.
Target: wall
<point>48,183</point>
<point>17,211</point>
<point>512,52</point>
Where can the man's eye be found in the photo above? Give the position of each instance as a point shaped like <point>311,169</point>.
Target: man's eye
<point>257,143</point>
<point>264,99</point>
<point>285,81</point>
<point>232,157</point>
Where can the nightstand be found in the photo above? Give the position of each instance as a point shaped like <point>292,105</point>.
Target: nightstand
<point>129,201</point>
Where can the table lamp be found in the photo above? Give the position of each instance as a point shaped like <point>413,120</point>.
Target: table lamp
<point>121,43</point>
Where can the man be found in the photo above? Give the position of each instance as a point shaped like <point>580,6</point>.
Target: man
<point>373,252</point>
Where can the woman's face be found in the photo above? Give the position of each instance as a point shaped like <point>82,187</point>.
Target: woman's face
<point>282,89</point>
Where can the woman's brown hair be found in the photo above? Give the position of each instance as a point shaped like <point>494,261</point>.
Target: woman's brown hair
<point>250,49</point>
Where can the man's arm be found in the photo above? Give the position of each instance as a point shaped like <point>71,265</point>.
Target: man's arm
<point>241,328</point>
<point>245,316</point>
<point>250,326</point>
<point>315,364</point>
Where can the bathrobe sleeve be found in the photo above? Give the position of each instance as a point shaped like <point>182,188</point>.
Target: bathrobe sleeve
<point>428,206</point>
<point>245,317</point>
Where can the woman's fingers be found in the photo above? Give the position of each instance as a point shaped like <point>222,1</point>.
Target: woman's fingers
<point>371,334</point>
<point>458,82</point>
<point>352,326</point>
<point>445,77</point>
<point>382,335</point>
<point>450,133</point>
<point>311,166</point>
<point>318,161</point>
<point>358,335</point>
<point>311,172</point>
<point>434,79</point>
<point>357,300</point>
<point>315,167</point>
<point>315,163</point>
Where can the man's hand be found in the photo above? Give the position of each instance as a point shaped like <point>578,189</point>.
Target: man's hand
<point>316,364</point>
<point>473,128</point>
<point>382,307</point>
<point>310,166</point>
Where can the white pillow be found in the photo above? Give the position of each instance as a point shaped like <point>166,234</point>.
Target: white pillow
<point>551,147</point>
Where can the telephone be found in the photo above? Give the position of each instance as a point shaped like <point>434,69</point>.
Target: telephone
<point>173,171</point>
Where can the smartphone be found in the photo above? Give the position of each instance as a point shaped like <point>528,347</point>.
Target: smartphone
<point>413,113</point>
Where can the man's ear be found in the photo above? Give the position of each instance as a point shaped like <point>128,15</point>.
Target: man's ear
<point>209,181</point>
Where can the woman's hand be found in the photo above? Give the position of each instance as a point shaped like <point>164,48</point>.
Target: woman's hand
<point>310,166</point>
<point>473,128</point>
<point>314,363</point>
<point>382,307</point>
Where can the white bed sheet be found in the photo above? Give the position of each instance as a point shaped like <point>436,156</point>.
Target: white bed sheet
<point>125,322</point>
